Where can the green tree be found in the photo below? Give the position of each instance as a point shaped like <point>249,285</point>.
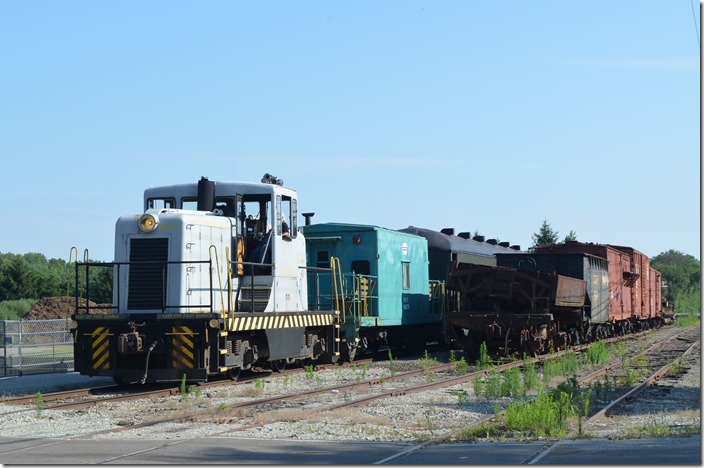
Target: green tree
<point>16,280</point>
<point>545,235</point>
<point>681,274</point>
<point>571,236</point>
<point>33,276</point>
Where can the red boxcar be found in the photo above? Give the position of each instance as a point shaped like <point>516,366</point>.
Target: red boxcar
<point>634,287</point>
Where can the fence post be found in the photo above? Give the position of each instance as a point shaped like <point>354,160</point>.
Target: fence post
<point>20,344</point>
<point>4,349</point>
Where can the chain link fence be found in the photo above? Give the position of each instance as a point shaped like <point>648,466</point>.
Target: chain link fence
<point>35,347</point>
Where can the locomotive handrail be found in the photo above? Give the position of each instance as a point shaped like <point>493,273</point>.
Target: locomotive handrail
<point>68,277</point>
<point>230,298</point>
<point>336,274</point>
<point>217,264</point>
<point>117,265</point>
<point>317,294</point>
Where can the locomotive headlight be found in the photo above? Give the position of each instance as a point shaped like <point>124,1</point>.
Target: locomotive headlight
<point>148,222</point>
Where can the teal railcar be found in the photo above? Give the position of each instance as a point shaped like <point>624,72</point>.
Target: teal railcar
<point>381,285</point>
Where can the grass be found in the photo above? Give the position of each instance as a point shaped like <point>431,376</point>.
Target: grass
<point>40,404</point>
<point>597,354</point>
<point>15,310</point>
<point>657,427</point>
<point>685,321</point>
<point>426,362</point>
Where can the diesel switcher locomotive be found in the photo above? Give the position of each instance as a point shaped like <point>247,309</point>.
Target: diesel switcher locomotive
<point>210,279</point>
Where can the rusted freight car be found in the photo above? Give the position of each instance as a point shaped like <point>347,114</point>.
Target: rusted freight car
<point>512,310</point>
<point>635,298</point>
<point>518,305</point>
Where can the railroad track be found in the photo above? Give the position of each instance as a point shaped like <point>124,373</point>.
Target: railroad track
<point>88,397</point>
<point>663,356</point>
<point>316,399</point>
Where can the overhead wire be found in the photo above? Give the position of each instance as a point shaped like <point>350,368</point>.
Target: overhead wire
<point>696,28</point>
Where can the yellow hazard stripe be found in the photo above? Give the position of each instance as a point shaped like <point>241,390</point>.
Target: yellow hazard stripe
<point>100,348</point>
<point>279,321</point>
<point>183,345</point>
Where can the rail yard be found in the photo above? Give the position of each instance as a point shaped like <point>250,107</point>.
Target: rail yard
<point>419,400</point>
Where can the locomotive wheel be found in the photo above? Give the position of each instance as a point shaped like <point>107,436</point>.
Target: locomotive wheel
<point>348,352</point>
<point>278,366</point>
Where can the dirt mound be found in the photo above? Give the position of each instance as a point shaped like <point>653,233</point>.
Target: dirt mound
<point>56,307</point>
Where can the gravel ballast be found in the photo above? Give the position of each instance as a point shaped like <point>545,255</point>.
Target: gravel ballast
<point>675,401</point>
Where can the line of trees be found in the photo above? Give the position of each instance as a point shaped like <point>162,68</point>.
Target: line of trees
<point>33,276</point>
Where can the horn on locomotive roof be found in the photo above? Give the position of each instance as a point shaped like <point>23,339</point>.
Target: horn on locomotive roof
<point>272,179</point>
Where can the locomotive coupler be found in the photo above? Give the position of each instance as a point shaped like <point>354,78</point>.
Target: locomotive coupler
<point>131,342</point>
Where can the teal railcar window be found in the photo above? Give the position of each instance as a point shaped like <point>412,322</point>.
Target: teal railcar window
<point>406,270</point>
<point>361,267</point>
<point>323,259</point>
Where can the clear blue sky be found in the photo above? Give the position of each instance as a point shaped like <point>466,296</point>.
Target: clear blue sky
<point>482,116</point>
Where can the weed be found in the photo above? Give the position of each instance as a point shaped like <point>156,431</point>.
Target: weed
<point>541,416</point>
<point>429,419</point>
<point>688,320</point>
<point>530,376</point>
<point>452,358</point>
<point>631,377</point>
<point>259,384</point>
<point>493,384</point>
<point>286,379</point>
<point>309,372</point>
<point>461,397</point>
<point>194,390</point>
<point>511,382</point>
<point>461,367</point>
<point>392,364</point>
<point>183,388</point>
<point>583,408</point>
<point>40,404</point>
<point>426,362</point>
<point>480,431</point>
<point>619,349</point>
<point>570,363</point>
<point>222,407</point>
<point>649,429</point>
<point>478,386</point>
<point>484,361</point>
<point>676,368</point>
<point>597,354</point>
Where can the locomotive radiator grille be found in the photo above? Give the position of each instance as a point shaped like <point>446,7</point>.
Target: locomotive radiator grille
<point>280,321</point>
<point>100,349</point>
<point>147,273</point>
<point>183,346</point>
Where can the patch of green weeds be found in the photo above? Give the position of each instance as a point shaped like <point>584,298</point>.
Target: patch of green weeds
<point>461,367</point>
<point>426,362</point>
<point>39,404</point>
<point>597,354</point>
